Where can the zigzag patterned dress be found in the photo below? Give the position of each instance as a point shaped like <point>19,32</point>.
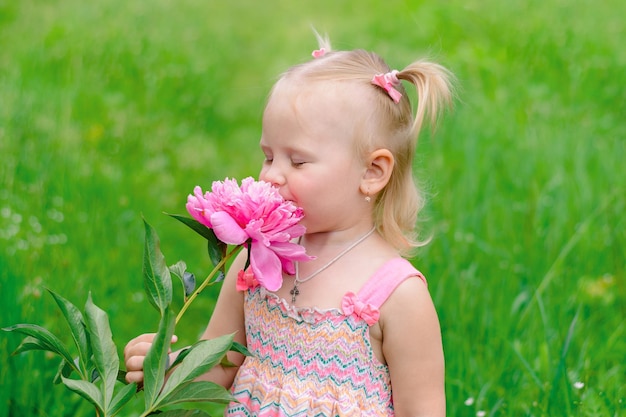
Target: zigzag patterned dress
<point>316,363</point>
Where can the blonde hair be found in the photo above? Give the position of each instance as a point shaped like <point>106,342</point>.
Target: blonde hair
<point>389,125</point>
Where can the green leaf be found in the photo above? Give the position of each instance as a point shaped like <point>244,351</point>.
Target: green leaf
<point>157,279</point>
<point>184,413</point>
<point>154,364</point>
<point>40,339</point>
<point>189,283</point>
<point>199,391</point>
<point>216,248</point>
<point>121,376</point>
<point>217,251</point>
<point>31,343</point>
<point>178,268</point>
<point>122,397</point>
<point>104,351</point>
<point>76,323</point>
<point>238,347</point>
<point>202,356</point>
<point>87,390</point>
<point>235,347</point>
<point>220,276</point>
<point>196,226</point>
<point>65,370</point>
<point>187,278</point>
<point>225,363</point>
<point>179,358</point>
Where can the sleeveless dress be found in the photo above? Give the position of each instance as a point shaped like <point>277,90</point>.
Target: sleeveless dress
<point>310,362</point>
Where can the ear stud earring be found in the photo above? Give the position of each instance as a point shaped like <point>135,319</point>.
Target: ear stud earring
<point>368,199</point>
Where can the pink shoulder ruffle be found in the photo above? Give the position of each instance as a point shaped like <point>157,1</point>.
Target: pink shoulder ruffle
<point>246,280</point>
<point>352,304</point>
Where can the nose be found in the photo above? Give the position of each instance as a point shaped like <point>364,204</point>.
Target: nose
<point>272,173</point>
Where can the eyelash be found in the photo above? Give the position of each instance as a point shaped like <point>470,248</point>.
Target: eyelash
<point>298,164</point>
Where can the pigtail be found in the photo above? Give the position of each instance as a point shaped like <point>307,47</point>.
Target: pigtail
<point>433,84</point>
<point>401,201</point>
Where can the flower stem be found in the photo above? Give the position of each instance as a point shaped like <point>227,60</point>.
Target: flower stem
<point>207,280</point>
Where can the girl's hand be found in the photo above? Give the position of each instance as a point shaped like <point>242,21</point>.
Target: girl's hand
<point>134,354</point>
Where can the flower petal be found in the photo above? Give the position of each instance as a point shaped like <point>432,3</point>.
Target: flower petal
<point>291,251</point>
<point>227,230</point>
<point>266,266</point>
<point>198,207</point>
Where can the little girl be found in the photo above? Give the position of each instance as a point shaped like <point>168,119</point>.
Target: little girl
<point>354,332</point>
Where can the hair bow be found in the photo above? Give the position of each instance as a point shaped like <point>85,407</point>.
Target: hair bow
<point>318,53</point>
<point>387,82</point>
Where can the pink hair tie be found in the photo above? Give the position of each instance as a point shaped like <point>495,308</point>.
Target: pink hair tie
<point>318,53</point>
<point>387,82</point>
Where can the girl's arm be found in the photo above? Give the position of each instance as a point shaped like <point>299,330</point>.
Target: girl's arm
<point>413,351</point>
<point>227,318</point>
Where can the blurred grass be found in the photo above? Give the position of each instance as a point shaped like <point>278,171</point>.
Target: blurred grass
<point>113,110</point>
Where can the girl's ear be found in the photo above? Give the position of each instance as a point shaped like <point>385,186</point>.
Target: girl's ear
<point>379,165</point>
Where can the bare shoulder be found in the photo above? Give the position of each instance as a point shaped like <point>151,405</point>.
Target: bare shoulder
<point>409,309</point>
<point>412,295</point>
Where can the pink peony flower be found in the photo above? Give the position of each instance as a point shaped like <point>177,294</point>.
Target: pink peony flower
<point>254,212</point>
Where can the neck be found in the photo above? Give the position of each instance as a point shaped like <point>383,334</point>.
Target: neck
<point>355,243</point>
<point>328,244</point>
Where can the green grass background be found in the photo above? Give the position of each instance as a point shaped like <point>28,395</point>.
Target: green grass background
<point>112,110</point>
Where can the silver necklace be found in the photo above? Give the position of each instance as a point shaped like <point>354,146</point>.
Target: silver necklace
<point>297,281</point>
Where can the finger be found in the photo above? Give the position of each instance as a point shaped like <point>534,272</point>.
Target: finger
<point>135,376</point>
<point>143,338</point>
<point>138,349</point>
<point>135,363</point>
<point>174,340</point>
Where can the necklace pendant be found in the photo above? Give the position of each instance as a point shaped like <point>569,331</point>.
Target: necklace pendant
<point>294,292</point>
